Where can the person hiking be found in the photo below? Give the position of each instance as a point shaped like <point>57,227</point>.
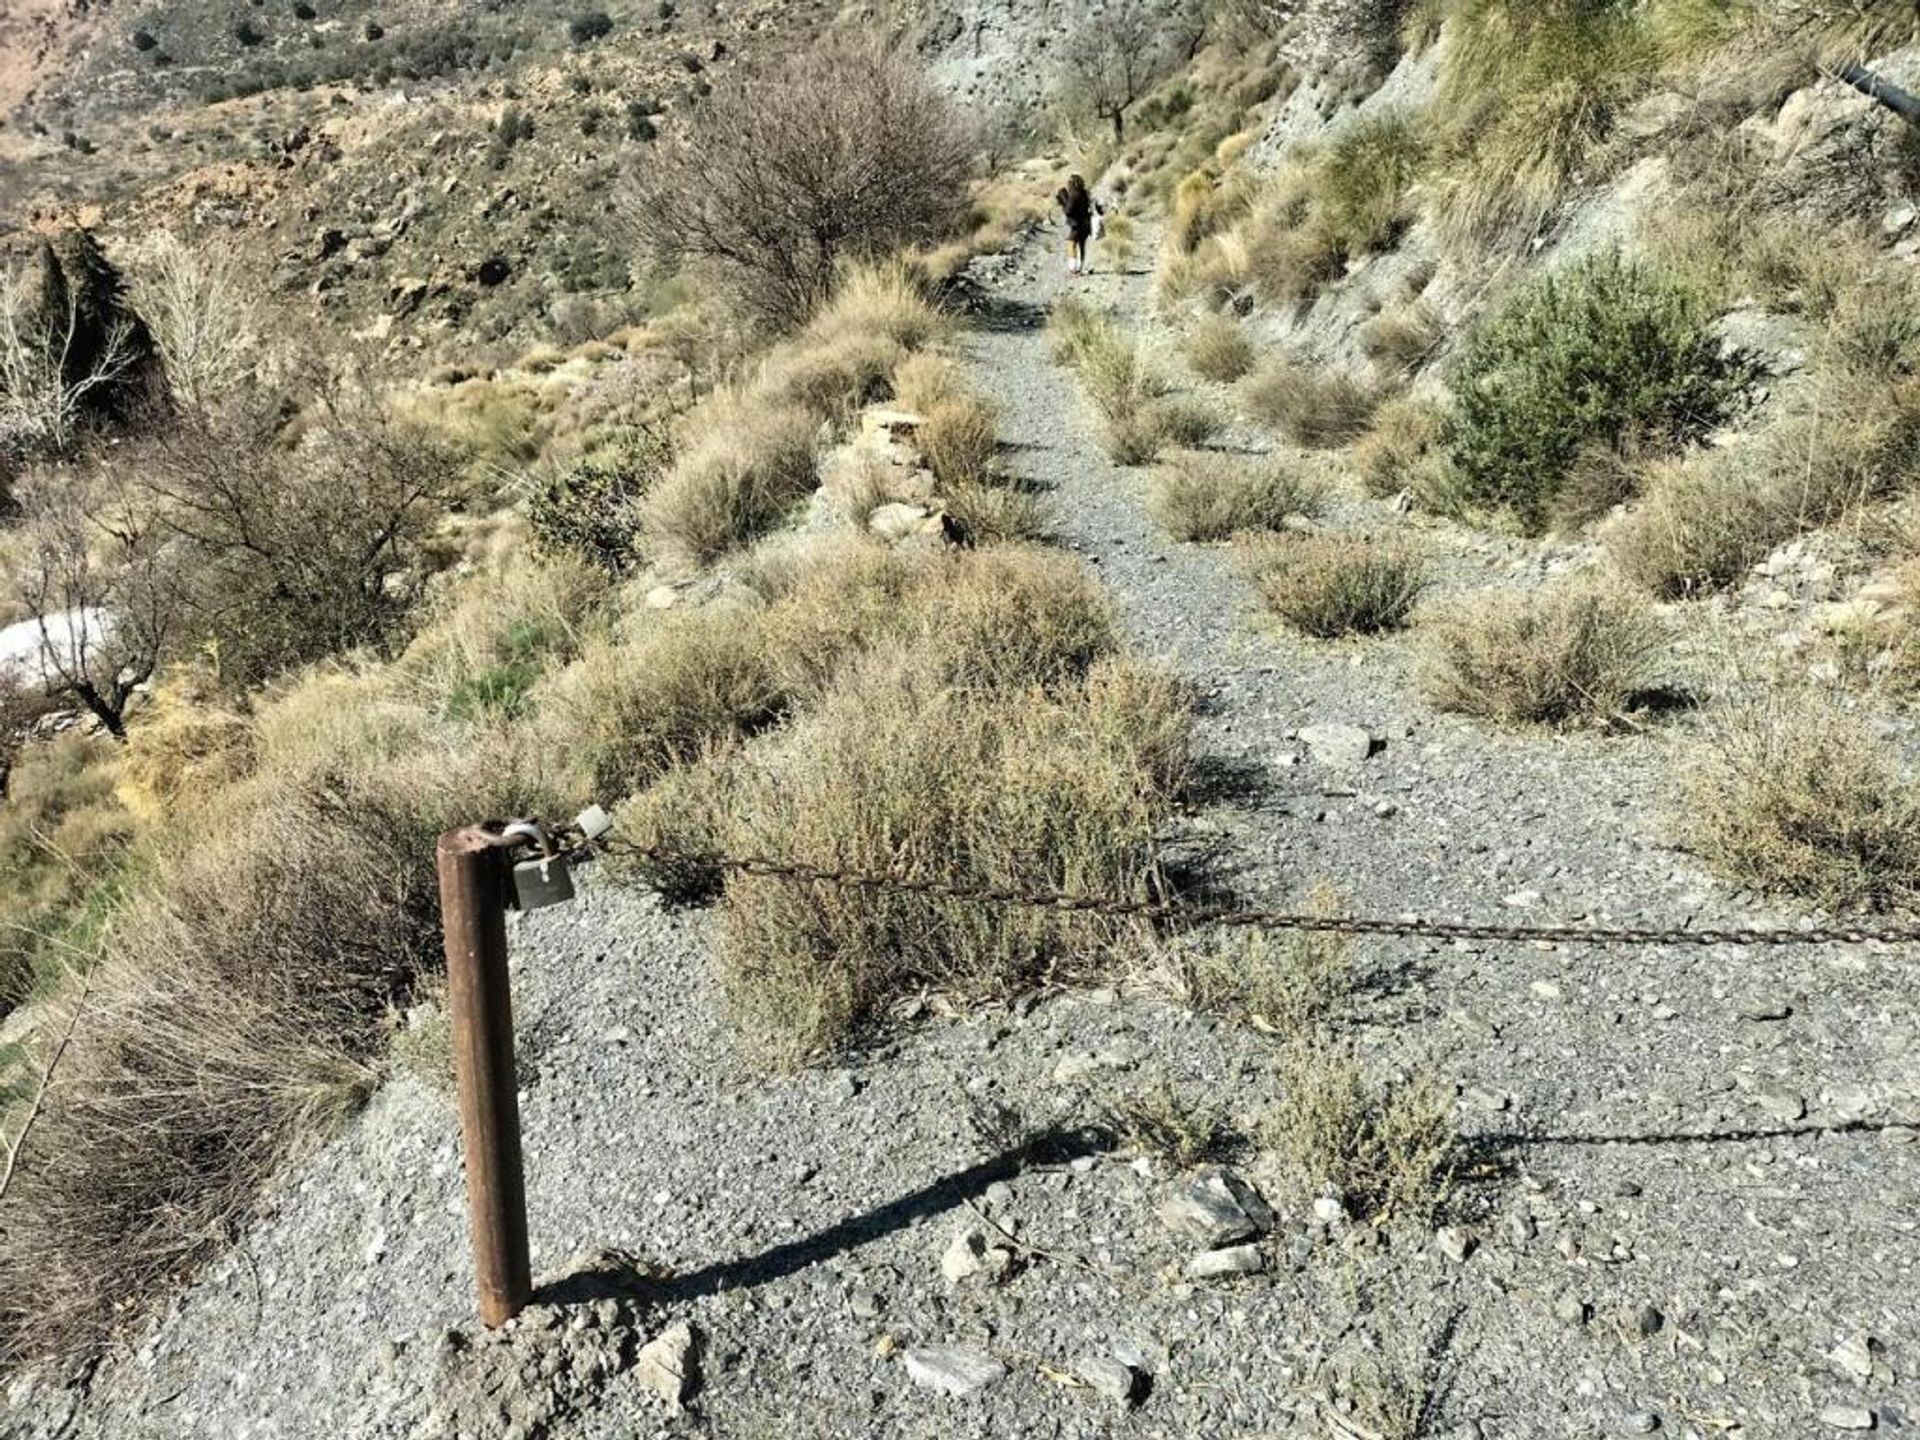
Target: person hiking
<point>1077,204</point>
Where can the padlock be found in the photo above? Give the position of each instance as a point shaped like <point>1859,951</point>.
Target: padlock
<point>542,881</point>
<point>592,823</point>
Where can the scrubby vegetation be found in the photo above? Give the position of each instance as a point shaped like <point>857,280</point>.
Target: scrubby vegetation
<point>1200,496</point>
<point>1579,653</point>
<point>1608,354</point>
<point>1329,586</point>
<point>1798,796</point>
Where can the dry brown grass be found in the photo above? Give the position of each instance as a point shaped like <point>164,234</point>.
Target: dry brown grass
<point>1796,796</point>
<point>1284,986</point>
<point>1401,339</point>
<point>1401,451</point>
<point>1578,653</point>
<point>1316,408</point>
<point>742,466</point>
<point>959,438</point>
<point>1198,496</point>
<point>1218,349</point>
<point>1329,586</point>
<point>926,379</point>
<point>1384,1151</point>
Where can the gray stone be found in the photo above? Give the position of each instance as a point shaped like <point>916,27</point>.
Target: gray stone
<point>954,1370</point>
<point>1217,1208</point>
<point>1639,1422</point>
<point>1219,1264</point>
<point>1115,1379</point>
<point>1454,1243</point>
<point>1341,747</point>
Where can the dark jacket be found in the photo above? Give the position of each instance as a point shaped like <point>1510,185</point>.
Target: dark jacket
<point>1079,211</point>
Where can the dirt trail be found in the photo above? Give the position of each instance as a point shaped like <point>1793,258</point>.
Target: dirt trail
<point>800,1221</point>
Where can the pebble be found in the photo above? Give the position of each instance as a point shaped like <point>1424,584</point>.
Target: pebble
<point>1848,1417</point>
<point>1639,1422</point>
<point>954,1370</point>
<point>1217,1209</point>
<point>1218,1264</point>
<point>1113,1378</point>
<point>1454,1243</point>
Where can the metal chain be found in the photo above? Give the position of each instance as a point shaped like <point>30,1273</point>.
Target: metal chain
<point>1197,915</point>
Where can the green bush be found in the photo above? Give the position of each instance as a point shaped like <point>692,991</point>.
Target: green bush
<point>590,509</point>
<point>1607,352</point>
<point>1361,188</point>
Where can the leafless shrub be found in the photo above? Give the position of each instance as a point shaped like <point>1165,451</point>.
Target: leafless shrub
<point>834,152</point>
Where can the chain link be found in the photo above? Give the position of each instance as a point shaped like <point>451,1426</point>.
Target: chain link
<point>1193,916</point>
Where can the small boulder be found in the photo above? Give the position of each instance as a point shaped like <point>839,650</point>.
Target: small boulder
<point>1105,1375</point>
<point>1340,747</point>
<point>1217,1208</point>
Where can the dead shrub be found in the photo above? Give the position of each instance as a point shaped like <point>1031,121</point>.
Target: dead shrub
<point>1402,339</point>
<point>1578,653</point>
<point>1383,1151</point>
<point>1322,410</point>
<point>1183,1127</point>
<point>835,151</point>
<point>1200,497</point>
<point>1797,797</point>
<point>1329,586</point>
<point>994,514</point>
<point>894,773</point>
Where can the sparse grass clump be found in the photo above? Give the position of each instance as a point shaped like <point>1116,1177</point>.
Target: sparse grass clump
<point>1329,586</point>
<point>1606,353</point>
<point>1797,797</point>
<point>1283,985</point>
<point>1360,189</point>
<point>1183,1127</point>
<point>1385,1151</point>
<point>1318,409</point>
<point>1401,451</point>
<point>1218,349</point>
<point>1575,654</point>
<point>1704,520</point>
<point>1403,338</point>
<point>1128,388</point>
<point>959,438</point>
<point>1215,497</point>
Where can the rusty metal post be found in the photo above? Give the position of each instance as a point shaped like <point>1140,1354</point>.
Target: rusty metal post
<point>475,885</point>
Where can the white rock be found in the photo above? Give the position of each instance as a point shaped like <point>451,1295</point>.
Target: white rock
<point>897,520</point>
<point>662,597</point>
<point>668,1364</point>
<point>953,1370</point>
<point>1115,1379</point>
<point>1848,1417</point>
<point>1219,1264</point>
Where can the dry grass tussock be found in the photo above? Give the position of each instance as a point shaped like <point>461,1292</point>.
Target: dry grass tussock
<point>1704,520</point>
<point>1128,386</point>
<point>1218,349</point>
<point>1318,408</point>
<point>1401,452</point>
<point>1796,796</point>
<point>1385,1151</point>
<point>1291,985</point>
<point>1578,653</point>
<point>1329,586</point>
<point>1199,496</point>
<point>745,457</point>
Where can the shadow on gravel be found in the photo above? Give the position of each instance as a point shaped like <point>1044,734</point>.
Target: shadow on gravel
<point>1054,1147</point>
<point>1497,1144</point>
<point>1003,315</point>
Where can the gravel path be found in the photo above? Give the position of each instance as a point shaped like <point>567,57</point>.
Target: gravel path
<point>1694,1194</point>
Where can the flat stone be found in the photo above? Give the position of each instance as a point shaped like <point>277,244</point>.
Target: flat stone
<point>1105,1375</point>
<point>1220,1264</point>
<point>1848,1417</point>
<point>1343,747</point>
<point>669,1364</point>
<point>954,1370</point>
<point>1638,1422</point>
